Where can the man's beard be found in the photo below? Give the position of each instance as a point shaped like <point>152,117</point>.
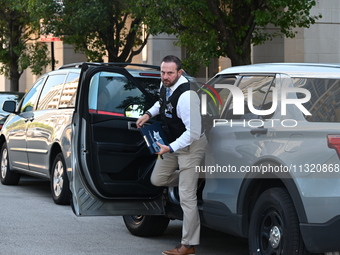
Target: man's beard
<point>170,84</point>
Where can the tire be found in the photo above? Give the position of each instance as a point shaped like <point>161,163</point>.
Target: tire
<point>274,225</point>
<point>59,181</point>
<point>8,177</point>
<point>146,225</point>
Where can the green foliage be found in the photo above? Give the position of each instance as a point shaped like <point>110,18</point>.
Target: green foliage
<point>96,27</point>
<point>35,57</point>
<point>18,31</point>
<point>214,28</point>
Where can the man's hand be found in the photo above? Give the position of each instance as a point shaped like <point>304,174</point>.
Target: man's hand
<point>163,149</point>
<point>142,120</point>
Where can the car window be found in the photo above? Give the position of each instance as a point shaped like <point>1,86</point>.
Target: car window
<point>260,99</point>
<point>50,95</point>
<point>28,103</point>
<point>112,93</point>
<point>151,85</point>
<point>215,96</point>
<point>324,104</point>
<point>68,96</point>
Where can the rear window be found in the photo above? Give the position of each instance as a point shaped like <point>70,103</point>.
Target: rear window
<point>324,104</point>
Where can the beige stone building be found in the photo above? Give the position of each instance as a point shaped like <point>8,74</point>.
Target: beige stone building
<point>320,43</point>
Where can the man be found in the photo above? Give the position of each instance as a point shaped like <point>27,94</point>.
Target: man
<point>179,108</point>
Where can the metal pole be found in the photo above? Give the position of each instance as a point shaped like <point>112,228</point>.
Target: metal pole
<point>52,55</point>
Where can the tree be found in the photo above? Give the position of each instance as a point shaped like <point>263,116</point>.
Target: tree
<point>96,27</point>
<point>17,34</point>
<point>213,28</point>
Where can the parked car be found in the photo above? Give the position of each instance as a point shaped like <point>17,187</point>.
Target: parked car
<point>271,172</point>
<point>36,137</point>
<point>4,96</point>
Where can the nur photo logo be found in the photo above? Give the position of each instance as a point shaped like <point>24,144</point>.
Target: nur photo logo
<point>213,94</point>
<point>239,99</point>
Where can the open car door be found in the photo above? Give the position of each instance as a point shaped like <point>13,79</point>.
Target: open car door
<point>111,164</point>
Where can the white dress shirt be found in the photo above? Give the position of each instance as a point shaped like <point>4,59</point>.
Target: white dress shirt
<point>188,110</point>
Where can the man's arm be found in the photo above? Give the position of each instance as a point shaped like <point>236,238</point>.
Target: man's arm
<point>153,111</point>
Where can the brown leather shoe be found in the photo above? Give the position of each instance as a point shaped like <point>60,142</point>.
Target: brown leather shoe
<point>181,250</point>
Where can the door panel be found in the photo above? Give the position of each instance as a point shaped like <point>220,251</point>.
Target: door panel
<point>16,140</point>
<point>121,160</point>
<point>111,165</point>
<point>16,132</point>
<point>43,128</point>
<point>85,203</point>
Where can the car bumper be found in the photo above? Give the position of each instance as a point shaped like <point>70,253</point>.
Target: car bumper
<point>319,238</point>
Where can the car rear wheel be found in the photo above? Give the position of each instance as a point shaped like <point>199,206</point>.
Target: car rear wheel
<point>146,225</point>
<point>274,225</point>
<point>8,177</point>
<point>59,182</point>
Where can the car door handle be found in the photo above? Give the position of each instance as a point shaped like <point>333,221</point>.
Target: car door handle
<point>132,126</point>
<point>260,130</point>
<point>29,119</point>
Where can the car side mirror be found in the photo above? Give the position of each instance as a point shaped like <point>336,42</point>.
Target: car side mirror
<point>134,111</point>
<point>9,106</point>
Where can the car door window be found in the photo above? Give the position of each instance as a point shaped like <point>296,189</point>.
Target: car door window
<point>68,95</point>
<point>50,95</point>
<point>112,93</point>
<point>261,97</point>
<point>28,103</point>
<point>215,96</point>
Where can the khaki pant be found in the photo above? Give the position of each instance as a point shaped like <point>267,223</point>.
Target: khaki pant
<point>178,169</point>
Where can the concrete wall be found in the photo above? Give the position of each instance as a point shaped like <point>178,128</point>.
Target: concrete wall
<point>158,47</point>
<point>322,40</point>
<point>320,43</point>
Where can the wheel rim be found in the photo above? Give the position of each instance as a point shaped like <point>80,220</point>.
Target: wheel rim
<point>4,163</point>
<point>137,218</point>
<point>270,231</point>
<point>58,179</point>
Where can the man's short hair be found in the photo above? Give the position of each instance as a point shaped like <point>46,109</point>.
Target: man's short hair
<point>172,58</point>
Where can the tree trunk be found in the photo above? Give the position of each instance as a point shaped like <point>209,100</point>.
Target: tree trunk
<point>14,77</point>
<point>239,59</point>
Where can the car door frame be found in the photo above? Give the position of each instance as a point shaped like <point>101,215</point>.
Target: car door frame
<point>87,200</point>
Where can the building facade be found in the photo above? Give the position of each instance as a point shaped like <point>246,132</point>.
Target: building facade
<point>320,43</point>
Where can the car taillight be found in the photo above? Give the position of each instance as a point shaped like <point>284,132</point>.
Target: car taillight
<point>334,143</point>
<point>1,126</point>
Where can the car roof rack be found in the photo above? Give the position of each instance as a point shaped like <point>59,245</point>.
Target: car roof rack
<point>78,65</point>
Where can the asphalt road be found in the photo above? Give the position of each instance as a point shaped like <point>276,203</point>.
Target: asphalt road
<point>31,224</point>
